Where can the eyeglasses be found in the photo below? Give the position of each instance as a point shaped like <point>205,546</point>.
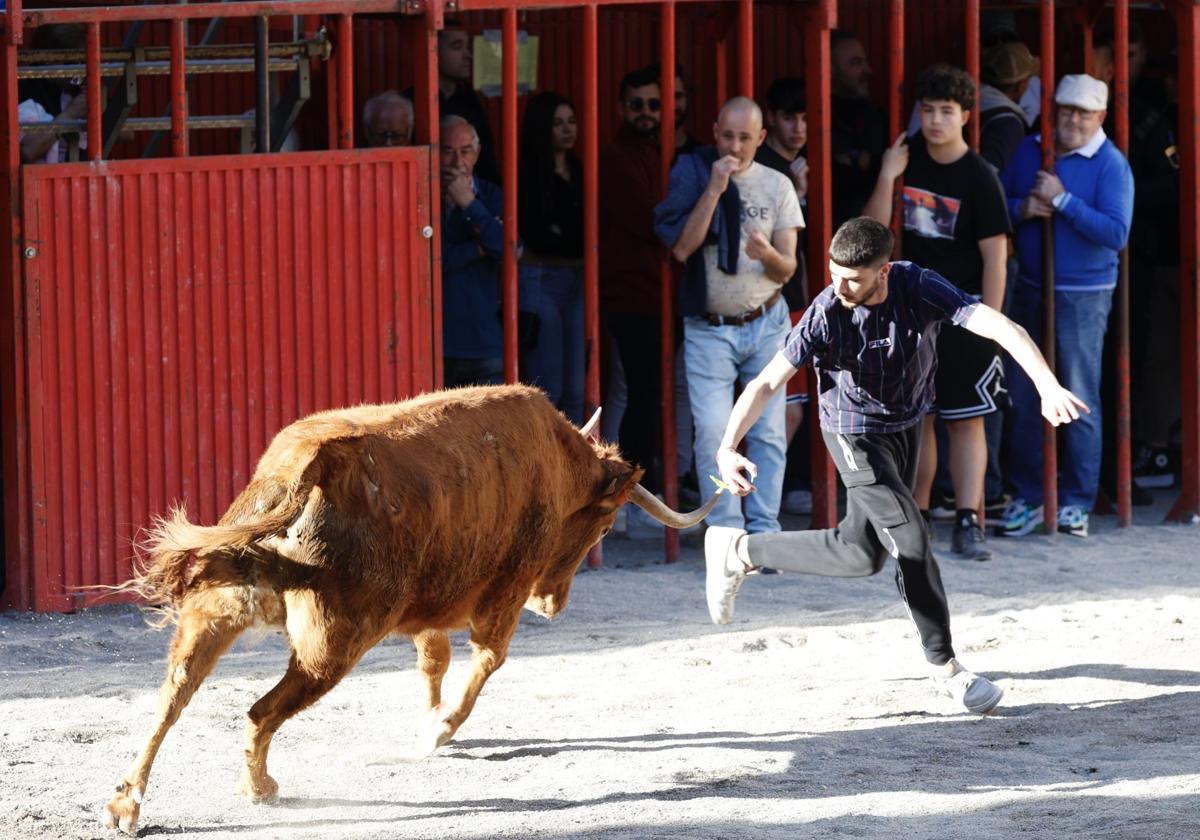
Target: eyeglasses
<point>391,138</point>
<point>639,104</point>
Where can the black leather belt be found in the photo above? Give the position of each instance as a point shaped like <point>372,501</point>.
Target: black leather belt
<point>745,317</point>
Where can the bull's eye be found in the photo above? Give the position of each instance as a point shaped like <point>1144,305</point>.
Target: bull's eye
<point>605,532</point>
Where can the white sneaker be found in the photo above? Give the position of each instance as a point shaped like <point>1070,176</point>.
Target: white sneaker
<point>797,502</point>
<point>977,694</point>
<point>721,583</point>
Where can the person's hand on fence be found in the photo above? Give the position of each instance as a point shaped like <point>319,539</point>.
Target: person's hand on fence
<point>895,158</point>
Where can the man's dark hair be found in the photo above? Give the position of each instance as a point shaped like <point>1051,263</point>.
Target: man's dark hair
<point>656,69</point>
<point>860,242</point>
<point>787,94</point>
<point>943,82</point>
<point>840,36</point>
<point>636,79</point>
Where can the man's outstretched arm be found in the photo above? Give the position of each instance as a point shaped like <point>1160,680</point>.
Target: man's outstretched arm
<point>1059,405</point>
<point>748,408</point>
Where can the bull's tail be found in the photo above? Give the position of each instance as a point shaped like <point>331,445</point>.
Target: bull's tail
<point>173,554</point>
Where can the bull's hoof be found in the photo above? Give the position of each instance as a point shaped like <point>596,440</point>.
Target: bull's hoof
<point>123,809</point>
<point>262,789</point>
<point>436,732</point>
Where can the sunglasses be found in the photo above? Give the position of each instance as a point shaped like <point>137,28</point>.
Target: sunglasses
<point>392,138</point>
<point>639,104</point>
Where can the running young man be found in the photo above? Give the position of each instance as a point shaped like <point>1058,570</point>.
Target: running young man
<point>871,337</point>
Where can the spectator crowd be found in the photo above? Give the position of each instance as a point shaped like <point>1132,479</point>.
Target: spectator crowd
<point>733,222</point>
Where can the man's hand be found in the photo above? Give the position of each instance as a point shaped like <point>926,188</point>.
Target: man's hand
<point>1034,207</point>
<point>459,186</point>
<point>722,168</point>
<point>895,159</point>
<point>1046,186</point>
<point>799,170</point>
<point>1060,406</point>
<point>758,246</point>
<point>730,462</point>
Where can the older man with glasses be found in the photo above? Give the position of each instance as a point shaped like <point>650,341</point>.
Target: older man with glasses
<point>1089,197</point>
<point>388,120</point>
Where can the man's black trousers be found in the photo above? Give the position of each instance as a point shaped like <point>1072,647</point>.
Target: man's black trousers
<point>882,520</point>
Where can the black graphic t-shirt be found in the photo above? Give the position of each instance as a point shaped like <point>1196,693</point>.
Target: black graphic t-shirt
<point>947,209</point>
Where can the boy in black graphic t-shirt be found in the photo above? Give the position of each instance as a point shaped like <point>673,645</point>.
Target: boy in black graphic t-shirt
<point>955,222</point>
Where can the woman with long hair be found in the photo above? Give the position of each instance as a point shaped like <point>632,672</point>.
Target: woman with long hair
<point>550,217</point>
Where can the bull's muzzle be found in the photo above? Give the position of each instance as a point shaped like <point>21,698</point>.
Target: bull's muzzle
<point>650,503</point>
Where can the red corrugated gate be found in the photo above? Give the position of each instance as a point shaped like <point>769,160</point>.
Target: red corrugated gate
<point>206,303</point>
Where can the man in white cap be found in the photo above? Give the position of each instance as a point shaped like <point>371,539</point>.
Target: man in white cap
<point>1089,197</point>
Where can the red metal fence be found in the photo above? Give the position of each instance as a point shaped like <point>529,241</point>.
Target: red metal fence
<point>177,318</point>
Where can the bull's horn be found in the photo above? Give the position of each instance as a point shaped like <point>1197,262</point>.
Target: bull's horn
<point>650,503</point>
<point>589,428</point>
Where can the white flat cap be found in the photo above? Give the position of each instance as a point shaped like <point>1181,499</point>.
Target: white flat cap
<point>1082,91</point>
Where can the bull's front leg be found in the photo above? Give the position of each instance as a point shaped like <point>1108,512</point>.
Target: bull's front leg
<point>490,636</point>
<point>433,658</point>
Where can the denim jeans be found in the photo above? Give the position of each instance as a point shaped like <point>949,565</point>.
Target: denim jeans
<point>459,371</point>
<point>555,362</point>
<point>1080,321</point>
<point>717,358</point>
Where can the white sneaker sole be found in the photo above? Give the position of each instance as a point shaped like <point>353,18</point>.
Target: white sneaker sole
<point>718,541</point>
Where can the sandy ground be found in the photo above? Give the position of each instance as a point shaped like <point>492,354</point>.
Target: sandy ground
<point>631,716</point>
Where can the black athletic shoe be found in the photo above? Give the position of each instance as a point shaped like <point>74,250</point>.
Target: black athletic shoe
<point>968,542</point>
<point>1154,468</point>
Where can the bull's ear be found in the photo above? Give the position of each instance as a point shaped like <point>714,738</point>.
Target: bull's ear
<point>618,475</point>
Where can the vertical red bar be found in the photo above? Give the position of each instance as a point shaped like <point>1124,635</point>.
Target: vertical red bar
<point>1049,440</point>
<point>818,23</point>
<point>509,168</point>
<point>15,23</point>
<point>1187,506</point>
<point>179,98</point>
<point>422,38</point>
<point>746,48</point>
<point>670,481</point>
<point>1124,446</point>
<point>591,223</point>
<point>896,120</point>
<point>345,80</point>
<point>971,35</point>
<point>95,105</point>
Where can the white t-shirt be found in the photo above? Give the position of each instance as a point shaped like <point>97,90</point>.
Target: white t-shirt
<point>768,204</point>
<point>31,111</point>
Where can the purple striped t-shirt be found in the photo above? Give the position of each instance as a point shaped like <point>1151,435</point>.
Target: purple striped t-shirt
<point>875,364</point>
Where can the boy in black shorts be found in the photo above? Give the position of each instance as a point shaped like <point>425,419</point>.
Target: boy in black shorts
<point>870,335</point>
<point>956,223</point>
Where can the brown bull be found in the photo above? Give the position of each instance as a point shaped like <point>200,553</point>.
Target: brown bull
<point>452,510</point>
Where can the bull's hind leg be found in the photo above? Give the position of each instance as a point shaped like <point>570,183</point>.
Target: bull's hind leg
<point>322,653</point>
<point>490,635</point>
<point>433,659</point>
<point>205,631</point>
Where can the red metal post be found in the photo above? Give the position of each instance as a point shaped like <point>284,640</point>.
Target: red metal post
<point>509,169</point>
<point>345,80</point>
<point>591,223</point>
<point>179,97</point>
<point>746,48</point>
<point>896,116</point>
<point>422,38</point>
<point>1187,506</point>
<point>95,104</point>
<point>819,20</point>
<point>1049,439</point>
<point>1124,446</point>
<point>971,14</point>
<point>670,482</point>
<point>15,23</point>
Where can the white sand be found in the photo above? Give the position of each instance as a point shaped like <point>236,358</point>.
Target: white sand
<point>632,717</point>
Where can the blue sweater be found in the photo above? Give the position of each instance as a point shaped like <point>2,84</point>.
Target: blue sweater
<point>472,252</point>
<point>1090,228</point>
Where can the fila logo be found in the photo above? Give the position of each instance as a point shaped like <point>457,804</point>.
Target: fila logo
<point>878,343</point>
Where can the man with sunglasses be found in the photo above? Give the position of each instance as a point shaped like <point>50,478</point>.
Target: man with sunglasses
<point>630,268</point>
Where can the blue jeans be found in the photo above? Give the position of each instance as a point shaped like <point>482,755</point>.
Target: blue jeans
<point>555,362</point>
<point>1080,321</point>
<point>716,359</point>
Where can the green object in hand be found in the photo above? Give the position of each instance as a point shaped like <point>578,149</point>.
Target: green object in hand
<point>721,485</point>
